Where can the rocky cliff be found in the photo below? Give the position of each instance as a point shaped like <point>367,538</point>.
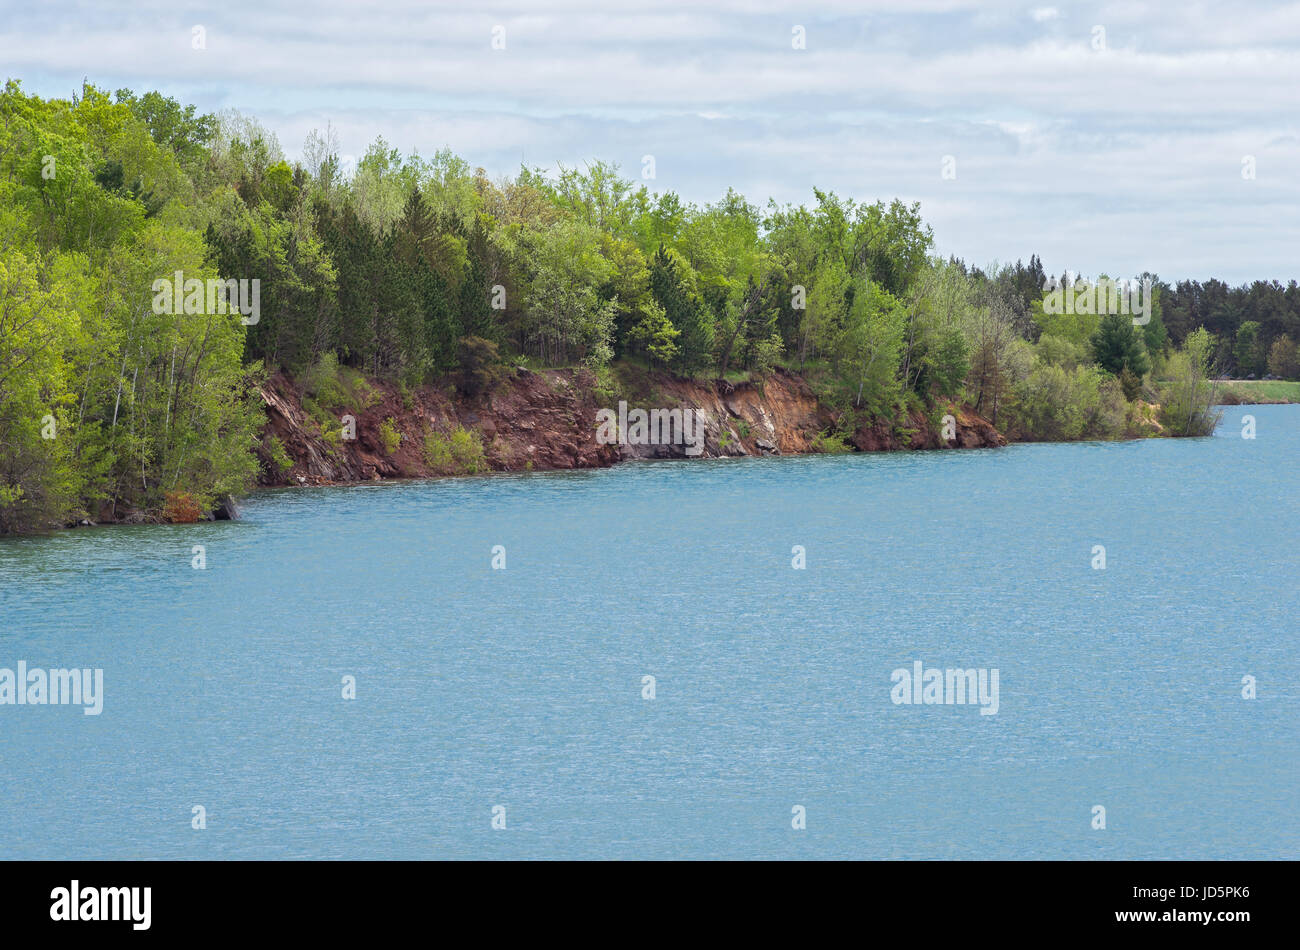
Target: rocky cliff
<point>548,420</point>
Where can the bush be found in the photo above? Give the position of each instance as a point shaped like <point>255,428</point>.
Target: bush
<point>1187,400</point>
<point>830,443</point>
<point>181,507</point>
<point>480,366</point>
<point>606,388</point>
<point>1054,404</point>
<point>279,457</point>
<point>459,453</point>
<point>330,426</point>
<point>1131,383</point>
<point>766,353</point>
<point>389,436</point>
<point>334,387</point>
<point>1060,351</point>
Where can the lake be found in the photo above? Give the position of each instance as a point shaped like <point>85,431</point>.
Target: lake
<point>518,694</point>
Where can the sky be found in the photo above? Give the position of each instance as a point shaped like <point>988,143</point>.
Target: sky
<point>1115,138</point>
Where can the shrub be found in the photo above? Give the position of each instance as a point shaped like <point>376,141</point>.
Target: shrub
<point>606,387</point>
<point>330,426</point>
<point>1054,404</point>
<point>1131,383</point>
<point>389,436</point>
<point>1187,400</point>
<point>181,507</point>
<point>279,457</point>
<point>480,366</point>
<point>323,384</point>
<point>830,443</point>
<point>766,353</point>
<point>334,387</point>
<point>458,453</point>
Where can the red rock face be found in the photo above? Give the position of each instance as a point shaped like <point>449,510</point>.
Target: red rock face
<point>547,420</point>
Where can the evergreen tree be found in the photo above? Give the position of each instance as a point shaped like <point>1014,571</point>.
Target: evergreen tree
<point>683,311</point>
<point>1117,346</point>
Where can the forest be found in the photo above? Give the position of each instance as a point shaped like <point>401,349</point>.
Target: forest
<point>426,272</point>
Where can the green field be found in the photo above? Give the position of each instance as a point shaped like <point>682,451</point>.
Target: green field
<point>1259,390</point>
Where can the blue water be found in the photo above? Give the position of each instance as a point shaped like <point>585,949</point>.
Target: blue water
<point>522,687</point>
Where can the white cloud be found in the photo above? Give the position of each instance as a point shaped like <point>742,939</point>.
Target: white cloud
<point>1090,159</point>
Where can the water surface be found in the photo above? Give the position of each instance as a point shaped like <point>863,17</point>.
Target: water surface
<point>523,687</point>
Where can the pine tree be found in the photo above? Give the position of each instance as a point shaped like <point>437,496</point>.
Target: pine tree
<point>684,311</point>
<point>1117,346</point>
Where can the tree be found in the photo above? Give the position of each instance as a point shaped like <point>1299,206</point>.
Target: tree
<point>1249,350</point>
<point>479,365</point>
<point>656,335</point>
<point>1187,401</point>
<point>997,355</point>
<point>106,397</point>
<point>38,326</point>
<point>868,346</point>
<point>683,310</point>
<point>1284,358</point>
<point>564,317</point>
<point>1117,346</point>
<point>180,129</point>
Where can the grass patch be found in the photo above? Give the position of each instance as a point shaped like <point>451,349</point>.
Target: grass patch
<point>1247,391</point>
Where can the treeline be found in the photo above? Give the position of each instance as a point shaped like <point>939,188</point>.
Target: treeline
<point>423,270</point>
<point>1256,327</point>
<point>106,405</point>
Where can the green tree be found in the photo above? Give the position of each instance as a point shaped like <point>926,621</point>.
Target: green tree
<point>1284,358</point>
<point>1187,400</point>
<point>669,285</point>
<point>1117,346</point>
<point>1249,350</point>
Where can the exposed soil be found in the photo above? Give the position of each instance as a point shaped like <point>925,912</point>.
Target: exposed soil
<point>548,420</point>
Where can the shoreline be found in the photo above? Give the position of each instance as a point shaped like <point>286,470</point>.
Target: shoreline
<point>1259,392</point>
<point>535,421</point>
<point>549,419</point>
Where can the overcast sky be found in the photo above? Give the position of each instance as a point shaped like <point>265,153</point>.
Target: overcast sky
<point>1102,136</point>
